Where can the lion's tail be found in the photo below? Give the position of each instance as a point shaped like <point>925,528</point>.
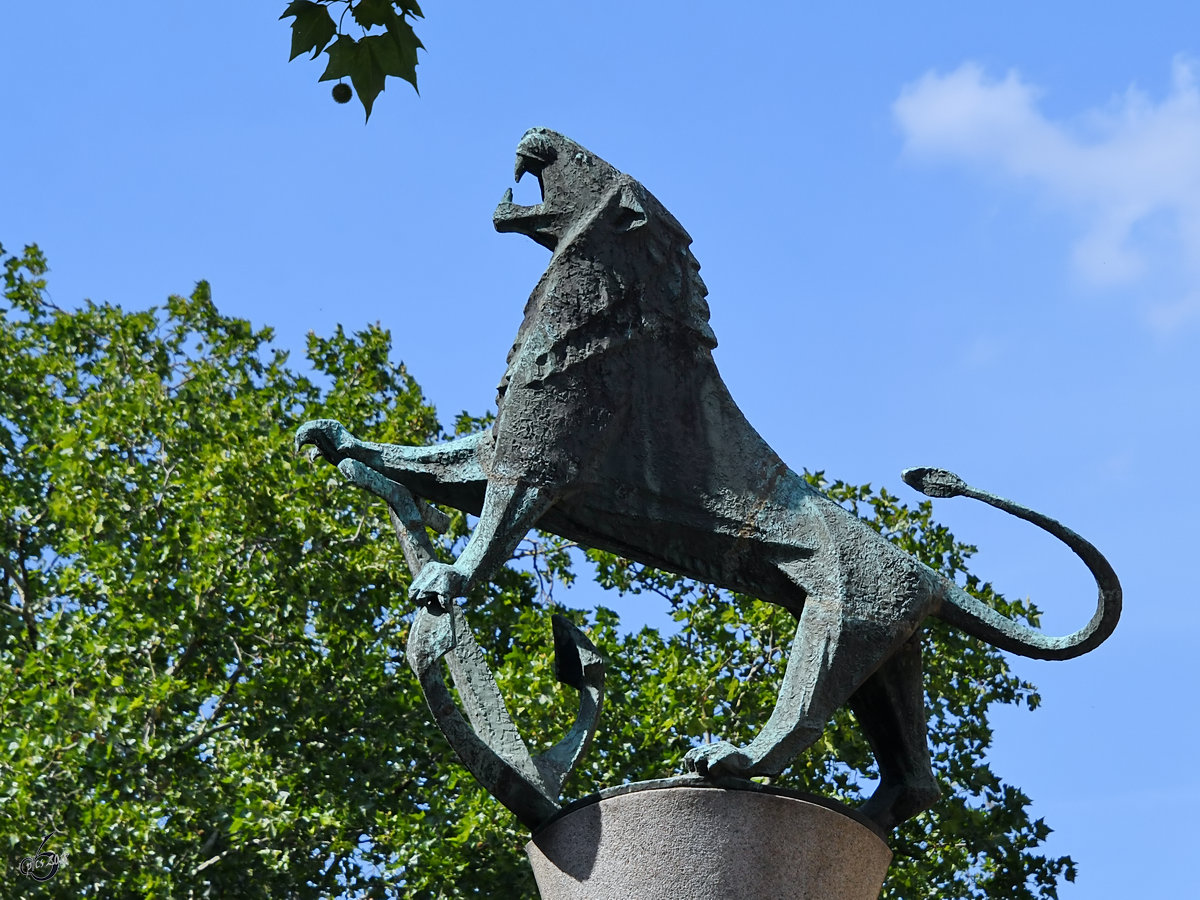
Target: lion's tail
<point>980,620</point>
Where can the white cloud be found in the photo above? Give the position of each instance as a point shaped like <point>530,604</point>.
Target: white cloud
<point>1166,318</point>
<point>1130,172</point>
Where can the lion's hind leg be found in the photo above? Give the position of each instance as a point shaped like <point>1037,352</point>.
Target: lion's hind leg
<point>890,708</point>
<point>831,657</point>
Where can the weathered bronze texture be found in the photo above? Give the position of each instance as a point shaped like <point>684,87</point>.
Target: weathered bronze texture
<point>490,746</point>
<point>614,429</point>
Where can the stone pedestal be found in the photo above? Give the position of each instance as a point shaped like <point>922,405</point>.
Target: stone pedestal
<point>646,842</point>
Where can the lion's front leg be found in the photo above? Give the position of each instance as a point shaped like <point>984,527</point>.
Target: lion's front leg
<point>454,462</point>
<point>328,436</point>
<point>437,584</point>
<point>510,509</point>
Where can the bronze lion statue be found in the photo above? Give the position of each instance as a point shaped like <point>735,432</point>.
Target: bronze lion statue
<point>614,429</point>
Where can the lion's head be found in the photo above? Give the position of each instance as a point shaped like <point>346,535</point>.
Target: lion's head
<point>593,213</point>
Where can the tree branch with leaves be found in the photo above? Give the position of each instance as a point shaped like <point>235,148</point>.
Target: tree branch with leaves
<point>203,689</point>
<point>386,45</point>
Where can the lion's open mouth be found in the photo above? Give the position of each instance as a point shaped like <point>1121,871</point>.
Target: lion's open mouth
<point>528,162</point>
<point>535,152</point>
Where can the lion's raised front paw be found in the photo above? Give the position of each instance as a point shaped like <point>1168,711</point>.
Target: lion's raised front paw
<point>437,585</point>
<point>328,436</point>
<point>720,758</point>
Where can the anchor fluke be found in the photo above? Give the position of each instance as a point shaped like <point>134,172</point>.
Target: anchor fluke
<point>486,741</point>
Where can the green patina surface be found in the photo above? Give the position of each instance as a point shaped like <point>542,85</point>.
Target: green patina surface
<point>614,429</point>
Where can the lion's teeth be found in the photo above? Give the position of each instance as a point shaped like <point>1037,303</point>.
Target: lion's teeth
<point>507,198</point>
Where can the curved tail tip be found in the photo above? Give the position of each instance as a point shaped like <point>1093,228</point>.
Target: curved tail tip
<point>934,482</point>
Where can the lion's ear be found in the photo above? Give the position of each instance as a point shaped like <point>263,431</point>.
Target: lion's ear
<point>630,212</point>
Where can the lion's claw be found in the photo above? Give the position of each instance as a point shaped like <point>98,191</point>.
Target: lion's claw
<point>437,585</point>
<point>328,438</point>
<point>720,758</point>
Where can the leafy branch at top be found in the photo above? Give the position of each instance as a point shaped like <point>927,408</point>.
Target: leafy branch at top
<point>387,45</point>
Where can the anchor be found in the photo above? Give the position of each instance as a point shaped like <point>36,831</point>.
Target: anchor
<point>486,741</point>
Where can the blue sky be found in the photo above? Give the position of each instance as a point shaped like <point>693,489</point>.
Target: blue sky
<point>964,235</point>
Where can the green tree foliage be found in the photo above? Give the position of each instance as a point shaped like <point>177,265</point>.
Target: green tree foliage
<point>202,685</point>
<point>386,44</point>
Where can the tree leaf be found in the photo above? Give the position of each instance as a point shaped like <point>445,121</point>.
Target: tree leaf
<point>342,53</point>
<point>312,29</point>
<point>355,59</point>
<point>369,13</point>
<point>392,56</point>
<point>408,42</point>
<point>368,62</point>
